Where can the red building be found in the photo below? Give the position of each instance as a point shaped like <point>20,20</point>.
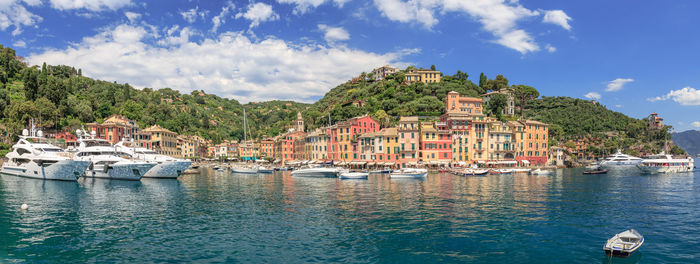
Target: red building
<point>348,133</point>
<point>114,128</point>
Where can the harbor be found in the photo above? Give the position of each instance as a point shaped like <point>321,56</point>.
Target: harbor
<point>219,216</point>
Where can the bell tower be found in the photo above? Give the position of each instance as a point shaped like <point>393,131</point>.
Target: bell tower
<point>299,123</point>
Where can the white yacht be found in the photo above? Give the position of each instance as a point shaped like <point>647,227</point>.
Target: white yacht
<point>244,169</point>
<point>619,160</point>
<point>107,162</point>
<point>165,166</point>
<point>664,163</point>
<point>32,157</point>
<point>318,172</point>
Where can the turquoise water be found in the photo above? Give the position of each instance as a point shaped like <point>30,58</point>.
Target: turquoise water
<point>220,217</point>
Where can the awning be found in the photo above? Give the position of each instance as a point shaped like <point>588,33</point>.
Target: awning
<point>462,163</point>
<point>380,163</point>
<point>491,163</point>
<point>507,162</point>
<point>358,163</point>
<point>371,163</point>
<point>277,160</point>
<point>261,161</point>
<point>389,164</point>
<point>341,163</point>
<point>312,162</point>
<point>481,161</point>
<point>525,161</point>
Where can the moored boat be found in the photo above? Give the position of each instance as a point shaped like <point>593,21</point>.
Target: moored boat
<point>165,166</point>
<point>33,158</point>
<point>244,170</point>
<point>540,172</point>
<point>521,170</point>
<point>619,160</point>
<point>624,243</point>
<point>107,162</point>
<point>664,163</point>
<point>354,175</point>
<point>265,170</point>
<point>598,171</point>
<point>409,173</point>
<point>320,172</point>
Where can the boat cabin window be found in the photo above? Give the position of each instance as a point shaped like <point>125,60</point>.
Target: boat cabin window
<point>22,151</point>
<point>52,150</point>
<point>629,239</point>
<point>97,143</point>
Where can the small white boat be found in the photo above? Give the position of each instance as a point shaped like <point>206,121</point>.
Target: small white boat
<point>244,170</point>
<point>521,170</point>
<point>624,244</point>
<point>501,171</point>
<point>475,172</point>
<point>540,172</point>
<point>409,173</point>
<point>354,175</point>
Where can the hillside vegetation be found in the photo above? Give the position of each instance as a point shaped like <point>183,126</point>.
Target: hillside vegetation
<point>61,98</point>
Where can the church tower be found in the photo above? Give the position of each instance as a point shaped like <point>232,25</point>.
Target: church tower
<point>299,123</point>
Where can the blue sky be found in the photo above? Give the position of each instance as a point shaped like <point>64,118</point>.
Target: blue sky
<point>634,57</point>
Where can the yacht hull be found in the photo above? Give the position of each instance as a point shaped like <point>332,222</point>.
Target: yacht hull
<point>315,173</point>
<point>66,170</point>
<point>658,170</point>
<point>127,172</point>
<point>168,170</point>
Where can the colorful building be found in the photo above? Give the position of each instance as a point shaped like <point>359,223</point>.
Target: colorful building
<point>114,128</point>
<point>348,135</point>
<point>461,104</point>
<point>536,146</point>
<point>163,140</point>
<point>409,140</point>
<point>423,75</point>
<point>267,148</point>
<point>436,143</point>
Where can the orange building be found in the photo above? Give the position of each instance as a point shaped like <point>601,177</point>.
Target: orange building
<point>454,103</point>
<point>535,145</point>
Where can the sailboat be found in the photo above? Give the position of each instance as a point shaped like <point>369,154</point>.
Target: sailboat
<point>244,169</point>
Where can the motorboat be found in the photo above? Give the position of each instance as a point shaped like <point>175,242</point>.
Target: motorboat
<point>106,161</point>
<point>244,169</point>
<point>664,163</point>
<point>165,166</point>
<point>320,172</point>
<point>354,175</point>
<point>596,171</point>
<point>619,160</point>
<point>624,244</point>
<point>501,171</point>
<point>521,170</point>
<point>540,172</point>
<point>409,173</point>
<point>32,157</point>
<point>475,172</point>
<point>265,170</point>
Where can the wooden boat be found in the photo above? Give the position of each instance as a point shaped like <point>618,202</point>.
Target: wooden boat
<point>409,173</point>
<point>624,244</point>
<point>599,171</point>
<point>475,172</point>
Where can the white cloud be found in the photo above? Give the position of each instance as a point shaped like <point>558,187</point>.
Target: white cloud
<point>132,16</point>
<point>617,84</point>
<point>191,15</point>
<point>686,96</point>
<point>550,48</point>
<point>258,12</point>
<point>593,96</point>
<point>20,44</point>
<point>411,11</point>
<point>695,124</point>
<point>228,64</point>
<point>92,5</point>
<point>303,6</point>
<point>557,17</point>
<point>221,18</point>
<point>334,34</point>
<point>13,13</point>
<point>498,17</point>
<point>618,106</point>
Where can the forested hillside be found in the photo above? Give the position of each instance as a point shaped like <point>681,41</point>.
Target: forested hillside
<point>61,98</point>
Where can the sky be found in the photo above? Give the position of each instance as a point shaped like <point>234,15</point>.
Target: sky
<point>635,57</point>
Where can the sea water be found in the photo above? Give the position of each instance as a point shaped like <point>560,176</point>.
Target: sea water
<point>228,218</point>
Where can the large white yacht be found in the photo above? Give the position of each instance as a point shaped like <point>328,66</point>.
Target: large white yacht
<point>107,162</point>
<point>32,157</point>
<point>165,166</point>
<point>664,163</point>
<point>619,160</point>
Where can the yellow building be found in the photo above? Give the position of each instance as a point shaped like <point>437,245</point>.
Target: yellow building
<point>423,75</point>
<point>392,146</point>
<point>163,140</point>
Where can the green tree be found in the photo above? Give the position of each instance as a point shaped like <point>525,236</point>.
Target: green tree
<point>496,84</point>
<point>432,67</point>
<point>46,111</point>
<point>523,93</point>
<point>382,117</point>
<point>496,104</point>
<point>482,80</point>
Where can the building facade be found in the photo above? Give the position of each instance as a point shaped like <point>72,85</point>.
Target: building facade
<point>163,140</point>
<point>423,75</point>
